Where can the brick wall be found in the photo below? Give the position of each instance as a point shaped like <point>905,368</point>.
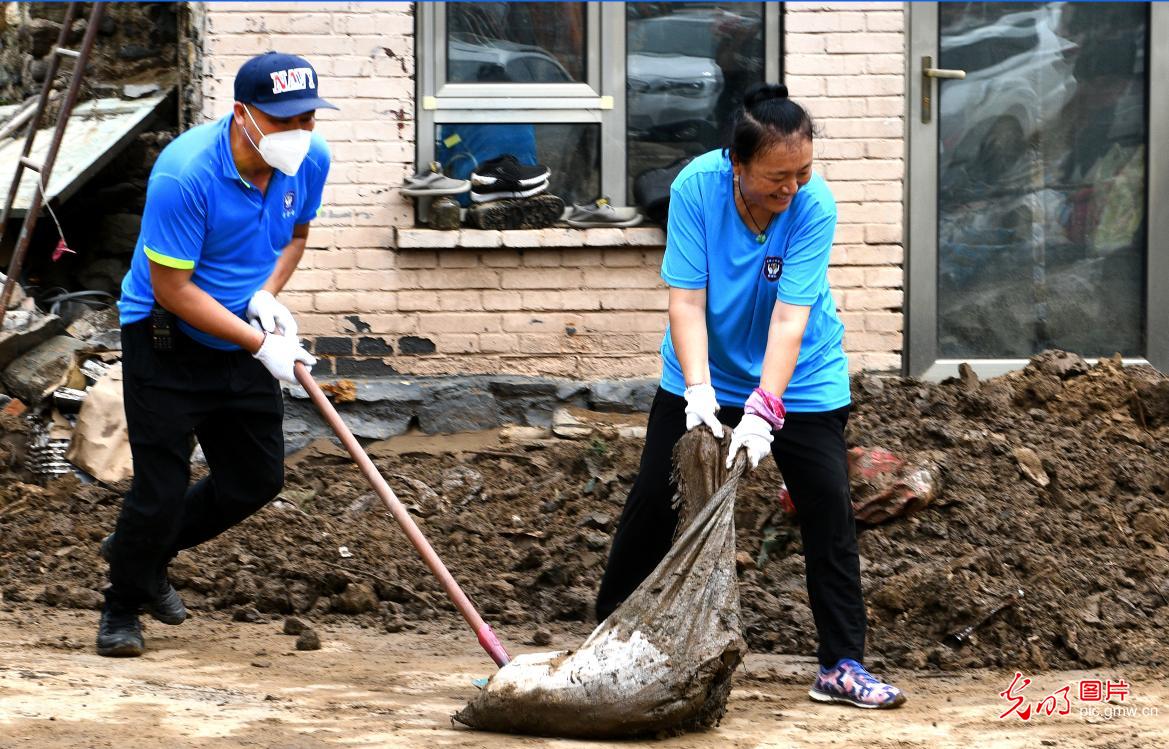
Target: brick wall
<point>379,296</point>
<point>846,63</point>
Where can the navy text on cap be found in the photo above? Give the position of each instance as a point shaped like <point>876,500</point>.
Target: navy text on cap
<point>279,85</point>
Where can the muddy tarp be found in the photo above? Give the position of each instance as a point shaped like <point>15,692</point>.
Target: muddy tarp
<point>662,662</point>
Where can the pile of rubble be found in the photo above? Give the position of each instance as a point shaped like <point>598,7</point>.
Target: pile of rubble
<point>51,364</point>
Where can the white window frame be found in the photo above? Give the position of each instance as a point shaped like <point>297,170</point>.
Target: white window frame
<point>598,100</point>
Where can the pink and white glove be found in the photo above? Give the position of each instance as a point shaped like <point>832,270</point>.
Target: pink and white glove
<point>753,434</point>
<point>763,414</point>
<point>766,406</point>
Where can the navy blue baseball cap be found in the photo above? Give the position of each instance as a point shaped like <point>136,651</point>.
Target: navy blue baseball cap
<point>279,85</point>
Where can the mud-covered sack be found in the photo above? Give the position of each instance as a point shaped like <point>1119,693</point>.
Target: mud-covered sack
<point>662,662</point>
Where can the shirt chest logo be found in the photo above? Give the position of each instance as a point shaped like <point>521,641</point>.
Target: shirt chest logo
<point>772,267</point>
<point>289,202</point>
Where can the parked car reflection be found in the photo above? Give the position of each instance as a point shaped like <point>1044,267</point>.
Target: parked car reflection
<point>476,58</point>
<point>673,80</point>
<point>1041,219</point>
<point>1018,78</point>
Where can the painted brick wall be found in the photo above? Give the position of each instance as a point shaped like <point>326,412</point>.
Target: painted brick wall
<point>379,296</point>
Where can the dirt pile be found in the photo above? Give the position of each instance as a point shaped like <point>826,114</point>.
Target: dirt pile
<point>1054,482</point>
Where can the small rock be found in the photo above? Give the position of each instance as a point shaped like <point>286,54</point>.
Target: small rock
<point>308,640</point>
<point>357,598</point>
<point>595,540</point>
<point>294,626</point>
<point>567,426</point>
<point>1031,466</point>
<point>516,433</point>
<point>541,637</point>
<point>744,561</point>
<point>395,624</point>
<point>246,614</point>
<point>598,520</point>
<point>1061,364</point>
<point>967,377</point>
<point>262,664</point>
<point>631,432</point>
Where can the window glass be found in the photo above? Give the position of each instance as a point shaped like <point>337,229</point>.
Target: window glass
<point>1042,179</point>
<point>571,151</point>
<point>687,67</point>
<point>516,42</point>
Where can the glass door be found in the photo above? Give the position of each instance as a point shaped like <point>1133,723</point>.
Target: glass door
<point>1032,164</point>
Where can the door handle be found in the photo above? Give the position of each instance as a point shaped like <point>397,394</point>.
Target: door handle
<point>928,73</point>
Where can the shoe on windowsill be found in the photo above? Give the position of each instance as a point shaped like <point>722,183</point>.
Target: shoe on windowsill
<point>507,173</point>
<point>600,213</point>
<point>536,212</point>
<point>431,182</point>
<point>486,194</point>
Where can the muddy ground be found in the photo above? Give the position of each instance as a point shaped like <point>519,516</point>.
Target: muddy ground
<point>213,684</point>
<point>1078,524</point>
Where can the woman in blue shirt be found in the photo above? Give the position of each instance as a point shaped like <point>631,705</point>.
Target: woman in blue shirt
<point>754,340</point>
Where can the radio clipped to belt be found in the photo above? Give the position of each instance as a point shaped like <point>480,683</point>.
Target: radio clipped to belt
<point>162,330</point>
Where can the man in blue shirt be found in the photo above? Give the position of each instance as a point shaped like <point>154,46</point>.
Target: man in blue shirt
<point>204,341</point>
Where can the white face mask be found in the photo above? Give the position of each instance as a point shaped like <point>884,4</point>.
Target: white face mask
<point>284,150</point>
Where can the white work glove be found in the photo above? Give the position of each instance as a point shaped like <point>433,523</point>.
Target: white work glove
<point>753,434</point>
<point>701,407</point>
<point>270,316</point>
<point>279,354</point>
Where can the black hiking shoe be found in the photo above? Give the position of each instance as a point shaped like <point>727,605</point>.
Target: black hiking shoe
<point>507,173</point>
<point>119,635</point>
<point>166,607</point>
<point>528,213</point>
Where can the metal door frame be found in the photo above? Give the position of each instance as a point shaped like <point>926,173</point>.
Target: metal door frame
<point>921,358</point>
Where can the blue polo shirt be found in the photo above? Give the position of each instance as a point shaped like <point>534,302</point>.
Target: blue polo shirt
<point>708,246</point>
<point>202,215</point>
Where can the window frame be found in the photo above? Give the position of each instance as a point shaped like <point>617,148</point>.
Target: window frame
<point>920,355</point>
<point>600,100</point>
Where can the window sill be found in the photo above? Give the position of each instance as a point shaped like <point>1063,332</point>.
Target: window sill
<point>430,239</point>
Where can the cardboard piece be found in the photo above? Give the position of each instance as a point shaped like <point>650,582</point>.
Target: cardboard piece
<point>101,441</point>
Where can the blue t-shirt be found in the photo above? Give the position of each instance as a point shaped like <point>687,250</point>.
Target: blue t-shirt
<point>202,215</point>
<point>708,246</point>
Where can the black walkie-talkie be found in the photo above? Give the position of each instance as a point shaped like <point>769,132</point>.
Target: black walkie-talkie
<point>162,329</point>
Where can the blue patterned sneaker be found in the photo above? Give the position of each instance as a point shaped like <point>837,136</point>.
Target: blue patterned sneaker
<point>849,682</point>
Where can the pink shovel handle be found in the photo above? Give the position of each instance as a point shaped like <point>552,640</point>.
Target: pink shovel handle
<point>482,630</point>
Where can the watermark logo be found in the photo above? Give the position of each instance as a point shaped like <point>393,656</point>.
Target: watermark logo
<point>1094,697</point>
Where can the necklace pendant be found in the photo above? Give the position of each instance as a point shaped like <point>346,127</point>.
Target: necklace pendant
<point>760,237</point>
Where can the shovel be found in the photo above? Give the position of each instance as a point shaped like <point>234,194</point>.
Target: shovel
<point>483,631</point>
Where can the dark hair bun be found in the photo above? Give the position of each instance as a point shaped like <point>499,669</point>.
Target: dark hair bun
<point>761,92</point>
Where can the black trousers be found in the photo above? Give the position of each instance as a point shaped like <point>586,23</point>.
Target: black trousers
<point>230,402</point>
<point>810,452</point>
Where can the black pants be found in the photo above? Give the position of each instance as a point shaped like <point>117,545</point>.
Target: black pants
<point>234,407</point>
<point>810,452</point>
